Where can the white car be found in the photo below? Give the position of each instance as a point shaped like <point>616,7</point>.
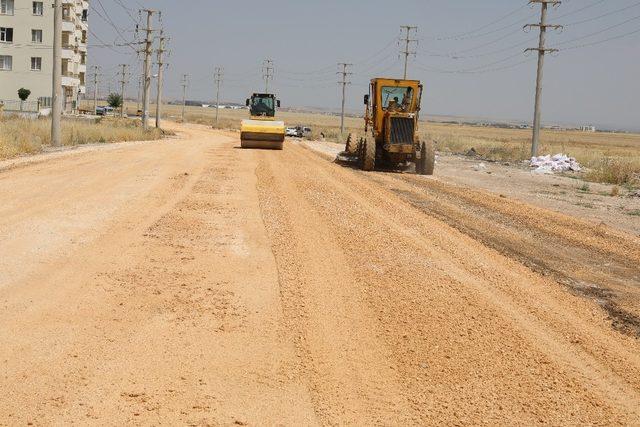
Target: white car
<point>291,132</point>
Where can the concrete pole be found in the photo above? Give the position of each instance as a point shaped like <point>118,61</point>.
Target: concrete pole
<point>344,84</point>
<point>218,77</point>
<point>217,100</point>
<point>56,90</point>
<point>139,94</point>
<point>184,95</point>
<point>147,72</point>
<point>123,82</point>
<point>408,41</point>
<point>160,82</point>
<point>95,89</point>
<point>535,143</point>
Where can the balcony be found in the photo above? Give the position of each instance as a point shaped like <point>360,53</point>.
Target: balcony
<point>68,26</point>
<point>70,79</point>
<point>68,52</point>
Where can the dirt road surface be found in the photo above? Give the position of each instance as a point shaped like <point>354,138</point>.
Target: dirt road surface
<point>187,281</point>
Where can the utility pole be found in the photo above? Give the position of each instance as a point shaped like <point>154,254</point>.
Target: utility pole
<point>535,142</point>
<point>267,73</point>
<point>96,70</point>
<point>160,52</point>
<point>123,82</point>
<point>139,93</point>
<point>56,80</point>
<point>407,44</point>
<point>344,84</point>
<point>217,76</point>
<point>147,69</point>
<point>185,83</point>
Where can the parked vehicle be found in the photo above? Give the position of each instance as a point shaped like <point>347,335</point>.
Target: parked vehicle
<point>104,110</point>
<point>291,132</point>
<point>298,131</point>
<point>303,131</point>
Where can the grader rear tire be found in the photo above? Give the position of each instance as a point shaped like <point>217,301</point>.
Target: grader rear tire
<point>352,144</point>
<point>426,164</point>
<point>369,155</point>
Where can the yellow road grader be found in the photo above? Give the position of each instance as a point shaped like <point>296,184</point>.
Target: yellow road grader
<point>391,125</point>
<point>262,130</point>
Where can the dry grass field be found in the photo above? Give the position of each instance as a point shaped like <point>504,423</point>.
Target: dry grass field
<point>23,136</point>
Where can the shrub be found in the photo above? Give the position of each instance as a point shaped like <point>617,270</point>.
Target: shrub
<point>114,100</point>
<point>23,94</point>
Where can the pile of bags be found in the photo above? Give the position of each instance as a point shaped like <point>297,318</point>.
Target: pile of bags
<point>555,163</point>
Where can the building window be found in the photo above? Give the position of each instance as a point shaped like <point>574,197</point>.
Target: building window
<point>6,62</point>
<point>6,35</point>
<point>36,63</point>
<point>38,8</point>
<point>36,36</point>
<point>6,7</point>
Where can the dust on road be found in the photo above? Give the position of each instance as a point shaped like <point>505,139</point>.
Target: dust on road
<point>188,281</point>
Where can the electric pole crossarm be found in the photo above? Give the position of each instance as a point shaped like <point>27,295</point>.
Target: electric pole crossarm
<point>537,49</point>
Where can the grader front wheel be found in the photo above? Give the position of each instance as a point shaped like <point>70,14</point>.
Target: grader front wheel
<point>427,161</point>
<point>368,155</point>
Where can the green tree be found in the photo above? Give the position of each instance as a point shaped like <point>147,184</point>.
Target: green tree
<point>23,94</point>
<point>114,100</point>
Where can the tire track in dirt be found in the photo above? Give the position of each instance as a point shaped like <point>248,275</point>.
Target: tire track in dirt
<point>477,306</point>
<point>349,374</point>
<point>602,266</point>
<point>171,315</point>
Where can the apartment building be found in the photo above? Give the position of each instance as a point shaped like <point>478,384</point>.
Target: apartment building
<point>26,50</point>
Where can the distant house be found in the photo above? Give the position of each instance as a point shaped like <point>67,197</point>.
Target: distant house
<point>588,128</point>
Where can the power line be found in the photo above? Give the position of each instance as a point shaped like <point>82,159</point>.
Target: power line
<point>580,46</point>
<point>584,21</point>
<point>599,31</point>
<point>467,33</point>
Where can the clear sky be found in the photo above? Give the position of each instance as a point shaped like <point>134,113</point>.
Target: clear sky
<point>469,56</point>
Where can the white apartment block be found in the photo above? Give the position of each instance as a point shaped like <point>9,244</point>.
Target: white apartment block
<point>26,50</point>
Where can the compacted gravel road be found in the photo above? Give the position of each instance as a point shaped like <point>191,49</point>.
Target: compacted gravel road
<point>186,281</point>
